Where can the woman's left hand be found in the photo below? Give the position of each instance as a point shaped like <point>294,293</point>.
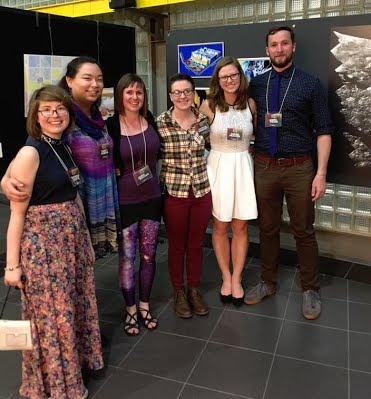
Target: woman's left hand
<point>14,278</point>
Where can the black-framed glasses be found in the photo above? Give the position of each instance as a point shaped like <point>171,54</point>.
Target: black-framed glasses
<point>233,77</point>
<point>48,112</point>
<point>178,93</point>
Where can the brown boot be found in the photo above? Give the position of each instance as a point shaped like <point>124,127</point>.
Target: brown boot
<point>197,303</point>
<point>181,305</point>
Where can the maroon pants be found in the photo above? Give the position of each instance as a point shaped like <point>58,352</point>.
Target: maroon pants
<point>186,221</point>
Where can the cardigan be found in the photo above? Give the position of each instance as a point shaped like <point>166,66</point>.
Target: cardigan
<point>114,130</point>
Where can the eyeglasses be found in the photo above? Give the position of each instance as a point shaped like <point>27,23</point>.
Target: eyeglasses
<point>48,113</point>
<point>233,77</point>
<point>178,93</point>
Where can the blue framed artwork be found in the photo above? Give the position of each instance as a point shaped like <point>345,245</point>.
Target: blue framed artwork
<point>255,66</point>
<point>199,59</point>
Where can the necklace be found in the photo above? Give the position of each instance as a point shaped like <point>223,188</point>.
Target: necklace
<point>144,173</point>
<point>73,173</point>
<point>50,140</point>
<point>126,130</point>
<point>287,89</point>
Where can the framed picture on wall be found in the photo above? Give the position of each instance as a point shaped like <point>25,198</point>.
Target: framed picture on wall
<point>40,70</point>
<point>199,59</point>
<point>254,66</point>
<point>107,104</point>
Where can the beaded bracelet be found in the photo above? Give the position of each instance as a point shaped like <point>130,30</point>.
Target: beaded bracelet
<point>10,269</point>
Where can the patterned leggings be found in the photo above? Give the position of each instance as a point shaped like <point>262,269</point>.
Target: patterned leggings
<point>146,231</point>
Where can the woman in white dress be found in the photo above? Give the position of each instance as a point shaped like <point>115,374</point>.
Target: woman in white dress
<point>232,115</point>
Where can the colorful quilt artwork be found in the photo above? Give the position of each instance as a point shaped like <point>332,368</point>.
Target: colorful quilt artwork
<point>40,70</point>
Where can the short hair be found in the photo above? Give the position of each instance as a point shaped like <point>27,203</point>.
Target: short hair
<point>181,76</point>
<point>216,93</point>
<point>276,29</point>
<point>47,93</point>
<point>73,68</point>
<point>126,81</point>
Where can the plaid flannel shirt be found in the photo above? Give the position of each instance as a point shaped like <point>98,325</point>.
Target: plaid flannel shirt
<point>182,154</point>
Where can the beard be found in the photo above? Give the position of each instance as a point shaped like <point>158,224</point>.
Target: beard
<point>283,62</point>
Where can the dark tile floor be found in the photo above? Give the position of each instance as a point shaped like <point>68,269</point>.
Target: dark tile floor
<point>266,351</point>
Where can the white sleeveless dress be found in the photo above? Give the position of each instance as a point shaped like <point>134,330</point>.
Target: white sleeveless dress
<point>230,167</point>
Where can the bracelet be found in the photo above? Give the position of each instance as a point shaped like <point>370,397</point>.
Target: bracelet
<point>10,269</point>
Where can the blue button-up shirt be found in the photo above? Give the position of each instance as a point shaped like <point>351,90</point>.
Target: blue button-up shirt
<point>305,112</point>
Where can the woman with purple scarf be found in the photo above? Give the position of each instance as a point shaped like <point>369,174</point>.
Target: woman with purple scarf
<point>92,150</point>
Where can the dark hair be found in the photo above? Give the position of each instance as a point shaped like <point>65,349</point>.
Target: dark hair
<point>73,68</point>
<point>216,93</point>
<point>272,31</point>
<point>46,93</point>
<point>181,76</point>
<point>126,81</point>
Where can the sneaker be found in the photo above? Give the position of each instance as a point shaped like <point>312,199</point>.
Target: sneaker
<point>181,305</point>
<point>311,304</point>
<point>196,301</point>
<point>257,293</point>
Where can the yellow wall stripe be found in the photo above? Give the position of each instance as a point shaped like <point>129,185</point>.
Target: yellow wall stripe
<point>93,7</point>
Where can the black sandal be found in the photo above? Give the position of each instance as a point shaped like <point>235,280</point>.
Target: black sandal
<point>131,323</point>
<point>147,319</point>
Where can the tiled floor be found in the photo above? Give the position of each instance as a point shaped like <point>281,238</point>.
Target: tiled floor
<point>266,351</point>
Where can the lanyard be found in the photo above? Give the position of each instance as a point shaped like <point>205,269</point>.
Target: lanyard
<point>105,137</point>
<point>131,148</point>
<point>287,89</point>
<point>47,140</point>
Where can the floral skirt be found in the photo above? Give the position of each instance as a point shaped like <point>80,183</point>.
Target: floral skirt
<point>60,300</point>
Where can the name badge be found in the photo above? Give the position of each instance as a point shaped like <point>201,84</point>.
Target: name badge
<point>75,176</point>
<point>142,175</point>
<point>103,149</point>
<point>234,134</point>
<point>273,120</point>
<point>203,127</point>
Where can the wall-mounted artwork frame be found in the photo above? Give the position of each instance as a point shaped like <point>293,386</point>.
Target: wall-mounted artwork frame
<point>199,59</point>
<point>40,70</point>
<point>255,66</point>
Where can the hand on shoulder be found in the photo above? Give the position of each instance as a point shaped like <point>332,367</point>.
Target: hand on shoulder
<point>205,109</point>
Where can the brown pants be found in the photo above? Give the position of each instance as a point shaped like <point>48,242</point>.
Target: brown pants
<point>272,182</point>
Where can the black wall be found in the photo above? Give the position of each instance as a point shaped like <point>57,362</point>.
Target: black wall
<point>28,32</point>
<point>314,39</point>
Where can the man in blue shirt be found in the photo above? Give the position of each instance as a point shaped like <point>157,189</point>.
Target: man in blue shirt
<point>292,114</point>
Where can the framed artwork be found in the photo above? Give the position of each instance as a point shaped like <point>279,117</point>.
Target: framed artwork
<point>107,105</point>
<point>350,102</point>
<point>199,59</point>
<point>40,70</point>
<point>254,66</point>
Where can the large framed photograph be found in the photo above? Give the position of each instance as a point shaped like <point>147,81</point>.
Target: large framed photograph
<point>199,59</point>
<point>254,66</point>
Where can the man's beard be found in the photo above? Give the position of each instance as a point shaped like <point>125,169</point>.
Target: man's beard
<point>282,64</point>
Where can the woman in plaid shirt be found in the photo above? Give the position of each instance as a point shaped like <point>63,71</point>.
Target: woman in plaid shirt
<point>184,134</point>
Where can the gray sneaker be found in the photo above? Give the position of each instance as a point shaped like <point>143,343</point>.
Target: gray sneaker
<point>311,304</point>
<point>257,293</point>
